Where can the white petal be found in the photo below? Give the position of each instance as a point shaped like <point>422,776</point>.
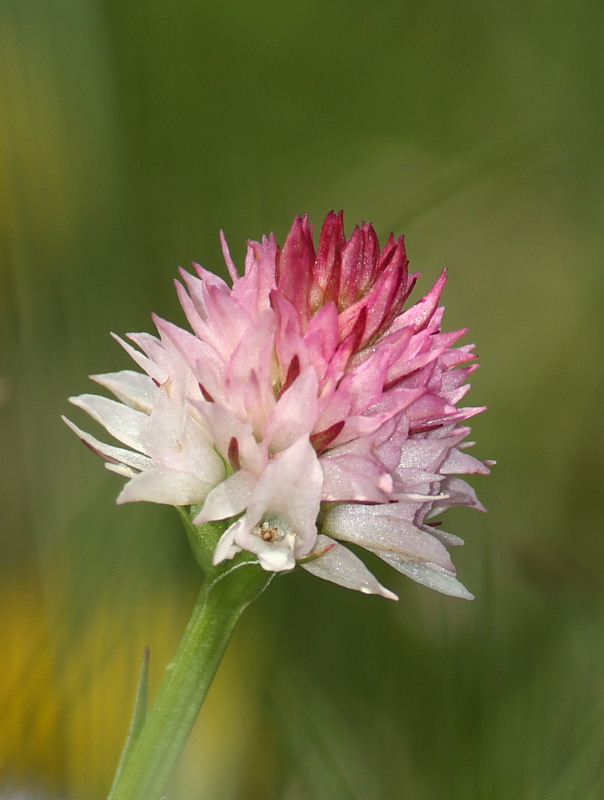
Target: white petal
<point>226,547</point>
<point>275,556</point>
<point>448,539</point>
<point>431,575</point>
<point>165,486</point>
<point>460,463</point>
<point>290,488</point>
<point>228,498</point>
<point>119,420</point>
<point>458,492</point>
<point>133,388</point>
<point>383,532</point>
<point>107,451</point>
<point>339,565</point>
<point>190,450</point>
<point>415,497</point>
<point>121,469</point>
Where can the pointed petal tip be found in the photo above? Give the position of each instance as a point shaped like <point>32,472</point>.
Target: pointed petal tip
<point>68,422</point>
<point>383,592</point>
<point>79,400</point>
<point>334,219</point>
<point>118,339</point>
<point>333,562</point>
<point>228,259</point>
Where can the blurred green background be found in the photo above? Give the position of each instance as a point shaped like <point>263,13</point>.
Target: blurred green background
<point>129,135</point>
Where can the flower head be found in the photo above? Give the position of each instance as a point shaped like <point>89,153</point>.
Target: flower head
<point>307,407</point>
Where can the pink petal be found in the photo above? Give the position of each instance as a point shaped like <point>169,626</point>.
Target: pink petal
<point>227,258</point>
<point>155,372</point>
<point>418,316</point>
<point>295,414</point>
<point>252,292</point>
<point>352,478</point>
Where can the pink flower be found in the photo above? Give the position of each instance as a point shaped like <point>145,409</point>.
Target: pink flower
<point>307,408</point>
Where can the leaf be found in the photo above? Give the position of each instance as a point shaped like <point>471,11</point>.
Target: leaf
<point>139,715</point>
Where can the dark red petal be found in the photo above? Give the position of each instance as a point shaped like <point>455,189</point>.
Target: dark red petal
<point>295,264</point>
<point>326,284</point>
<point>233,454</point>
<point>398,260</point>
<point>360,262</point>
<point>207,396</point>
<point>321,441</point>
<point>292,373</point>
<point>353,325</point>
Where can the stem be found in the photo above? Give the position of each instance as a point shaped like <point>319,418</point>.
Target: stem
<point>150,763</point>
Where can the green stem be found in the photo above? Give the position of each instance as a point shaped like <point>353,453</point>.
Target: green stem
<point>152,759</point>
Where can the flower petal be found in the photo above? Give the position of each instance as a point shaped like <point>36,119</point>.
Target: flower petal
<point>295,414</point>
<point>227,499</point>
<point>166,486</point>
<point>119,420</point>
<point>334,562</point>
<point>133,388</point>
<point>431,575</point>
<point>376,531</point>
<point>290,488</point>
<point>109,453</point>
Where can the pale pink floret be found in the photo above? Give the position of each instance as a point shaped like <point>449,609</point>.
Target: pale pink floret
<point>306,406</point>
<point>170,457</point>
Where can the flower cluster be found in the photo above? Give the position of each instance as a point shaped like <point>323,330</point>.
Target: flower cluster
<point>307,407</point>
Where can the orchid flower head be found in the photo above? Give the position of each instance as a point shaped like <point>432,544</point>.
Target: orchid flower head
<point>309,406</point>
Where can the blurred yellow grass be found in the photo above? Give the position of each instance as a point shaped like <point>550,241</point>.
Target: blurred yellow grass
<point>66,699</point>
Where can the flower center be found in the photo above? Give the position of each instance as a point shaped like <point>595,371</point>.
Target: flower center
<point>269,532</point>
